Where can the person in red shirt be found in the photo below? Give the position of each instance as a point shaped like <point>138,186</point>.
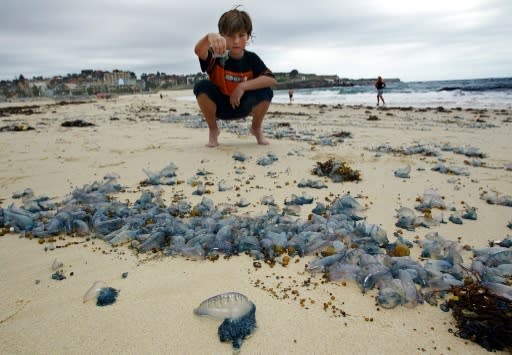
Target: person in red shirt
<point>239,83</point>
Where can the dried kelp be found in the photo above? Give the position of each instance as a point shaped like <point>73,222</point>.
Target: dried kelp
<point>16,128</point>
<point>18,110</point>
<point>482,316</point>
<point>342,134</point>
<point>77,123</point>
<point>337,171</point>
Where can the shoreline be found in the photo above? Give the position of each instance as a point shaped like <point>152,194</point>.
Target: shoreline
<point>153,312</point>
<point>177,95</point>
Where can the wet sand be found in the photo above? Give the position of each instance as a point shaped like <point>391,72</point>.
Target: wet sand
<point>297,312</point>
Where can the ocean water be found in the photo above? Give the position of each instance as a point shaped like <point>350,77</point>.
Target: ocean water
<point>477,93</point>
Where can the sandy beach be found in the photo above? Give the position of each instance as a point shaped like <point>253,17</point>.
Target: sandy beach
<point>298,312</point>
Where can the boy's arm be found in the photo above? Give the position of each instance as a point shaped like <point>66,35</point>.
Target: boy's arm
<point>263,76</point>
<point>262,81</point>
<point>211,40</point>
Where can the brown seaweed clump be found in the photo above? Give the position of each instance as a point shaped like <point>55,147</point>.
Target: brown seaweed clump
<point>18,110</point>
<point>16,128</point>
<point>342,134</point>
<point>77,123</point>
<point>481,316</point>
<point>337,171</point>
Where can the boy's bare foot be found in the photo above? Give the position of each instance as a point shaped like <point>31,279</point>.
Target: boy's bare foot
<point>260,138</point>
<point>213,139</point>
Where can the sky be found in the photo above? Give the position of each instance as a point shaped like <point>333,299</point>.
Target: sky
<point>413,40</point>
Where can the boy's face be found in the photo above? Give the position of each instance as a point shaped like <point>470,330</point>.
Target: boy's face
<point>236,42</point>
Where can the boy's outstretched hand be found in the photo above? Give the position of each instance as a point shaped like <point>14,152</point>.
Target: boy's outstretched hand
<point>217,43</point>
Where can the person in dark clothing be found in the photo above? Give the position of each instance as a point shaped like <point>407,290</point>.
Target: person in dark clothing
<point>380,85</point>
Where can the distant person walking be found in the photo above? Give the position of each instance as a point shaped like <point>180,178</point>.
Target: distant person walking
<point>290,94</point>
<point>380,85</point>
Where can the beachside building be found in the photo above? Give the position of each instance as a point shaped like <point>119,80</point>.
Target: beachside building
<point>39,87</point>
<point>140,84</point>
<point>118,78</point>
<point>72,84</point>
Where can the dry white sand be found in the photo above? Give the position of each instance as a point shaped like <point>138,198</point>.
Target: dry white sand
<point>153,313</point>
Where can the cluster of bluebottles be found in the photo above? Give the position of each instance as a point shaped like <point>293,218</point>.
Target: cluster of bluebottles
<point>346,245</point>
<point>431,199</point>
<point>434,151</point>
<point>274,130</point>
<point>431,150</point>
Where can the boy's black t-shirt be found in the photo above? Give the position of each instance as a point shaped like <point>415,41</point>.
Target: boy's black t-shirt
<point>227,73</point>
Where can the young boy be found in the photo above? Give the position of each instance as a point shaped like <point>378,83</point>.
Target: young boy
<point>239,82</point>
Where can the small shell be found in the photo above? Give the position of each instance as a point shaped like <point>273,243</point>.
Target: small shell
<point>232,305</point>
<point>49,246</point>
<point>94,291</point>
<point>57,264</point>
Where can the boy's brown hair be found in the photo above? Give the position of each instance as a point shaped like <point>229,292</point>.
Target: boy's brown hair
<point>235,21</point>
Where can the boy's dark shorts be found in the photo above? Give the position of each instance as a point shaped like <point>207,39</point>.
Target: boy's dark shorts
<point>224,110</point>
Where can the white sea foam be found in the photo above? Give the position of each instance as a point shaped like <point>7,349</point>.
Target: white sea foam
<point>493,93</point>
<point>447,99</point>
